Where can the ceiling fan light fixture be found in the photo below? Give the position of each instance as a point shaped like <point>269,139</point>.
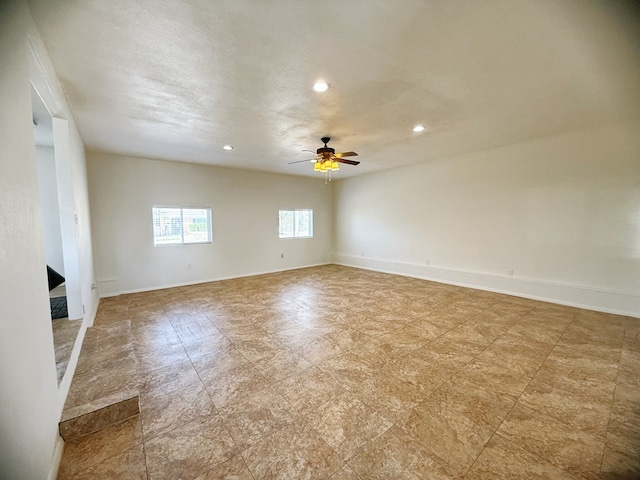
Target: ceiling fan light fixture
<point>419,128</point>
<point>317,167</point>
<point>321,86</point>
<point>335,166</point>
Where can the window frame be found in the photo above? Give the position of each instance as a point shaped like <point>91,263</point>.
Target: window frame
<point>295,212</point>
<point>209,225</point>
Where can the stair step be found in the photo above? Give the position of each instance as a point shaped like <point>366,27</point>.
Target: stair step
<point>104,389</point>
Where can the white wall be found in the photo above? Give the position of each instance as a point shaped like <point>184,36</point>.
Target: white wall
<point>30,399</point>
<point>562,213</point>
<point>244,209</point>
<point>46,169</point>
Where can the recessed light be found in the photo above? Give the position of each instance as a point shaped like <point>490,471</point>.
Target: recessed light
<point>418,128</point>
<point>320,86</point>
<point>228,147</point>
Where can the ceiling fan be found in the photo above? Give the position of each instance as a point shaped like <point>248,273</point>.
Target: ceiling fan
<point>327,159</point>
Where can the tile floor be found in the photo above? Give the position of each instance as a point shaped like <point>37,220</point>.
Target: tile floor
<point>340,373</point>
<point>65,332</point>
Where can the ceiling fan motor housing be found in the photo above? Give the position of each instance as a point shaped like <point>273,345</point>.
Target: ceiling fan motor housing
<point>325,151</point>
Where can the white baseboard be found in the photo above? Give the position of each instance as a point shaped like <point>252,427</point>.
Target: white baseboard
<point>107,287</point>
<point>197,282</point>
<point>590,298</point>
<point>56,459</point>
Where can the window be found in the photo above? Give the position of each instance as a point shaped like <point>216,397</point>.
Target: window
<point>296,223</point>
<point>181,226</point>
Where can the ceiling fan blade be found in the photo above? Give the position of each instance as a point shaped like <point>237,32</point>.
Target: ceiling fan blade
<point>300,161</point>
<point>305,150</point>
<point>346,154</point>
<point>348,162</point>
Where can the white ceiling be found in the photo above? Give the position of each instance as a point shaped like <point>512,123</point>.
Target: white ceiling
<point>178,79</point>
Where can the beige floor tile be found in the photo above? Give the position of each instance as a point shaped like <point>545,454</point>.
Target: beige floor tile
<point>447,433</point>
<point>219,362</point>
<point>524,345</point>
<point>443,355</point>
<point>584,346</point>
<point>86,452</point>
<point>159,357</point>
<point>282,365</point>
<point>168,379</point>
<point>587,388</point>
<point>388,395</point>
<point>446,317</point>
<point>306,391</point>
<point>206,346</point>
<point>317,349</point>
<point>469,338</point>
<point>401,342</point>
<point>193,327</point>
<point>396,455</point>
<point>347,338</point>
<point>296,451</point>
<point>479,403</point>
<point>584,414</point>
<point>626,402</point>
<point>189,450</point>
<point>256,416</point>
<point>510,309</point>
<point>377,352</point>
<point>538,332</point>
<point>153,335</point>
<point>232,469</point>
<point>256,350</point>
<point>421,374</point>
<point>295,336</point>
<point>423,329</point>
<point>234,384</point>
<point>346,423</point>
<point>505,379</point>
<point>98,383</point>
<point>128,465</point>
<point>578,365</point>
<point>161,413</point>
<point>566,447</point>
<point>624,431</point>
<point>349,370</point>
<point>632,340</point>
<point>617,465</point>
<point>502,460</point>
<point>345,473</point>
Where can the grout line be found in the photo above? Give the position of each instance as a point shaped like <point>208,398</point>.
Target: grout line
<point>518,399</point>
<point>613,396</point>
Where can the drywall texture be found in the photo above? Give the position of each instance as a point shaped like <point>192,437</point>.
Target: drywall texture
<point>28,382</point>
<point>555,218</point>
<point>30,400</point>
<point>244,209</point>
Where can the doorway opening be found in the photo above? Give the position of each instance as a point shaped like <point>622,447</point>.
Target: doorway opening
<point>59,230</point>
